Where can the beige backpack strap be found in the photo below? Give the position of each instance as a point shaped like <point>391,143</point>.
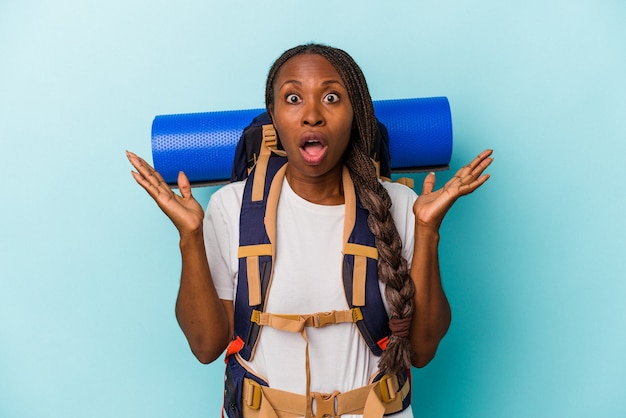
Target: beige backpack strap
<point>297,322</point>
<point>360,252</point>
<point>269,144</point>
<point>253,252</point>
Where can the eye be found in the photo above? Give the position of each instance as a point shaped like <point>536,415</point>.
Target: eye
<point>331,98</point>
<point>293,98</point>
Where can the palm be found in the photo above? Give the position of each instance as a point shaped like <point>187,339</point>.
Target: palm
<point>183,210</point>
<point>432,205</point>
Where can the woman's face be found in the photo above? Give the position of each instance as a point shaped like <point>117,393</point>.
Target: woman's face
<point>312,114</point>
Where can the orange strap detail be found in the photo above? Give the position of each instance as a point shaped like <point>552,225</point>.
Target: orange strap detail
<point>383,343</point>
<point>234,347</point>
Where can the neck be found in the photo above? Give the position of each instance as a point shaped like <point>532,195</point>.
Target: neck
<point>322,190</point>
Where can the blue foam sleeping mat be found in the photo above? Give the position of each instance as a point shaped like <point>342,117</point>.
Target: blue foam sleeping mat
<point>203,144</point>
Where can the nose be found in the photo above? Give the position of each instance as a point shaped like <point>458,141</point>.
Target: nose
<point>312,115</point>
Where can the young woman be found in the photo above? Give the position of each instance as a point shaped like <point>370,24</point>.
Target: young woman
<point>321,109</point>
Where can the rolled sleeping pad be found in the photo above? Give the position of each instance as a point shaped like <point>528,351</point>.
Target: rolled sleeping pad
<point>203,144</point>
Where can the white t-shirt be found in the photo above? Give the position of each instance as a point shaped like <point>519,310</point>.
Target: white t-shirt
<point>307,279</point>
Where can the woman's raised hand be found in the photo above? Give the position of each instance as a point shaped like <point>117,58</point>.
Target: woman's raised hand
<point>184,211</point>
<point>432,205</point>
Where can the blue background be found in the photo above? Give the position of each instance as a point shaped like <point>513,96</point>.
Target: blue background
<point>533,263</point>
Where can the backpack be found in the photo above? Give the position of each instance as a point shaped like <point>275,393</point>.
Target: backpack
<point>260,159</point>
<point>259,151</point>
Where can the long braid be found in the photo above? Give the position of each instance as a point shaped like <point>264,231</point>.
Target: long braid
<point>392,267</point>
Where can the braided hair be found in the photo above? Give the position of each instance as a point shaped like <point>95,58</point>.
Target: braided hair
<point>392,266</point>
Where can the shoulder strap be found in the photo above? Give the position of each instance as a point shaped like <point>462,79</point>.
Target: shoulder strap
<point>360,272</point>
<point>256,251</point>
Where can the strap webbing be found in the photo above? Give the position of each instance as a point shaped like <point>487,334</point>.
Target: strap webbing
<point>254,281</point>
<point>297,322</point>
<point>358,281</point>
<point>252,253</point>
<point>254,250</point>
<point>268,143</point>
<point>361,253</point>
<point>361,250</point>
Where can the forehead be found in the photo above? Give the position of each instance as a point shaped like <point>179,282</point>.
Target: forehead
<point>307,67</point>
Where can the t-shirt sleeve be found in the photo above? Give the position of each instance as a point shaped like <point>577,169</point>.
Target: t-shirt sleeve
<point>221,238</point>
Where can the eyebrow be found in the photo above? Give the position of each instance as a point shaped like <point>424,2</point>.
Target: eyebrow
<point>324,83</point>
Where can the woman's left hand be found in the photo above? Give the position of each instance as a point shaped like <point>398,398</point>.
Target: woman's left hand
<point>432,205</point>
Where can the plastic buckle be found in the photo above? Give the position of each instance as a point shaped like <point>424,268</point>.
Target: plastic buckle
<point>388,388</point>
<point>256,317</point>
<point>253,394</point>
<point>325,404</point>
<point>357,315</point>
<point>324,318</point>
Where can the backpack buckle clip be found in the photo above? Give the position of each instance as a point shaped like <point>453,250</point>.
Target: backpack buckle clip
<point>252,394</point>
<point>325,404</point>
<point>324,318</point>
<point>388,387</point>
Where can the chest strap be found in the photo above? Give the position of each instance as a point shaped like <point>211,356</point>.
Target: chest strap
<point>297,322</point>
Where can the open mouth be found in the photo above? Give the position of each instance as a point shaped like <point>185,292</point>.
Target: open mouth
<point>313,150</point>
<point>313,147</point>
